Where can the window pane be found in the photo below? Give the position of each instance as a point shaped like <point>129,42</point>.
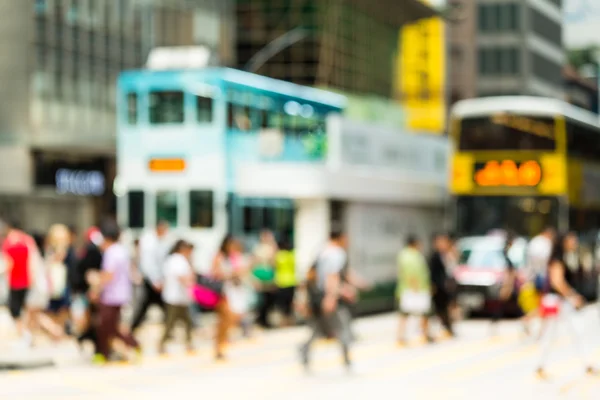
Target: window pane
<point>514,17</point>
<point>239,117</point>
<point>166,107</point>
<point>482,17</point>
<point>166,207</point>
<point>136,209</point>
<point>132,108</point>
<point>204,109</point>
<point>201,209</point>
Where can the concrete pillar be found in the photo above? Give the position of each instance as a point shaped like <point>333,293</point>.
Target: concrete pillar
<point>312,224</point>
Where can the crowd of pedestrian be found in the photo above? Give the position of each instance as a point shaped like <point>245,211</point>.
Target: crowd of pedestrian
<point>60,290</point>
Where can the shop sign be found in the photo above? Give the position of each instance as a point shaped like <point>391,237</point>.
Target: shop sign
<point>79,182</point>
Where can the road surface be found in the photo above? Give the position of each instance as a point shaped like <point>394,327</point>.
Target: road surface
<point>474,365</point>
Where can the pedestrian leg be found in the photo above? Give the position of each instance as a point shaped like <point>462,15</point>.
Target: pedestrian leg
<point>146,300</point>
<point>568,315</point>
<point>171,316</point>
<point>344,334</point>
<point>189,326</point>
<point>546,344</point>
<point>316,331</point>
<point>107,329</point>
<point>223,323</point>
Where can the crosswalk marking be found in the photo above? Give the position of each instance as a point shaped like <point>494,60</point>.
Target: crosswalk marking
<point>454,352</point>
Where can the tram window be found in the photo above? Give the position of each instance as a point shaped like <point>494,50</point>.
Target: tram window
<point>135,209</point>
<point>204,109</point>
<point>238,117</point>
<point>166,207</point>
<point>583,142</point>
<point>201,209</point>
<point>166,107</point>
<point>253,219</point>
<point>132,108</point>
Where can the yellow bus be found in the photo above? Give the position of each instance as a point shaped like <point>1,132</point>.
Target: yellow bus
<point>524,163</point>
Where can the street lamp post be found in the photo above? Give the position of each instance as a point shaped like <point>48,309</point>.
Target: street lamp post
<point>270,50</point>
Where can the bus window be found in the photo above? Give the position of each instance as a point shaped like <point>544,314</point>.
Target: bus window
<point>135,202</point>
<point>204,109</point>
<point>201,209</point>
<point>507,132</point>
<point>166,207</point>
<point>166,107</point>
<point>132,108</point>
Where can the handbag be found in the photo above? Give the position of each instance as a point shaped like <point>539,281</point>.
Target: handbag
<point>204,296</point>
<point>214,285</point>
<point>549,306</point>
<point>416,303</point>
<point>264,273</point>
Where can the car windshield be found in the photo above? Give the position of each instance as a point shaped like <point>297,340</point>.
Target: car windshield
<point>486,256</point>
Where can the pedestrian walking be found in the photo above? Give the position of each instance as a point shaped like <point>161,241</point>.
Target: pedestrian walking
<point>414,288</point>
<point>441,295</point>
<point>327,318</point>
<point>17,251</point>
<point>508,292</point>
<point>178,281</point>
<point>264,273</point>
<point>116,292</point>
<point>560,302</point>
<point>154,248</point>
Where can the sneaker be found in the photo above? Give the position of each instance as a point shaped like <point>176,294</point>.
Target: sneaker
<point>303,357</point>
<point>541,374</point>
<point>98,359</point>
<point>591,371</point>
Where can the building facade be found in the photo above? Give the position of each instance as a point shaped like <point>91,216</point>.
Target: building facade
<point>347,45</point>
<point>59,60</point>
<point>519,48</point>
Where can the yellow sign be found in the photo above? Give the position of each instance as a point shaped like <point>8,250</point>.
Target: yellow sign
<point>166,165</point>
<point>461,181</point>
<point>421,75</point>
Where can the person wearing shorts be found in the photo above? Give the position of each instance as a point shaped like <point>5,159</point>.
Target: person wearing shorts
<point>285,280</point>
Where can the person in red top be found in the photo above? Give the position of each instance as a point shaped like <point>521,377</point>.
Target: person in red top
<point>16,249</point>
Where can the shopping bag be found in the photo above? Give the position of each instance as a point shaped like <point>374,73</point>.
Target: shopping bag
<point>204,296</point>
<point>415,303</point>
<point>264,273</point>
<point>529,298</point>
<point>549,306</point>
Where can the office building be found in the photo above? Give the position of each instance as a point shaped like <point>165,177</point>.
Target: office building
<point>59,60</point>
<point>346,45</point>
<point>518,44</point>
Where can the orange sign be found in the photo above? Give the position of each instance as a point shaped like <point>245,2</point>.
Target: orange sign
<point>509,173</point>
<point>166,165</point>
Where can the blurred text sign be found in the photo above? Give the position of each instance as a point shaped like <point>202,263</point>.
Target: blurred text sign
<point>186,57</point>
<point>380,148</point>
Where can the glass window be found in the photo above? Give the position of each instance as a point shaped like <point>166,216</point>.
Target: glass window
<point>135,207</point>
<point>482,14</point>
<point>132,108</point>
<point>201,209</point>
<point>204,109</point>
<point>166,107</point>
<point>166,207</point>
<point>507,132</point>
<point>514,17</point>
<point>239,117</point>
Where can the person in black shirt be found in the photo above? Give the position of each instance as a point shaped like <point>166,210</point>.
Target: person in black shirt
<point>560,300</point>
<point>90,261</point>
<point>508,292</point>
<point>439,280</point>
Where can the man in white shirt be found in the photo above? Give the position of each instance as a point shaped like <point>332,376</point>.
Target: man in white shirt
<point>153,251</point>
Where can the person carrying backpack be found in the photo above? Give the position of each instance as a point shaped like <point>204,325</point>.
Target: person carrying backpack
<point>324,288</point>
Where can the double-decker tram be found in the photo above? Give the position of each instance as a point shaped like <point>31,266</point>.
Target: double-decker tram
<point>523,163</point>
